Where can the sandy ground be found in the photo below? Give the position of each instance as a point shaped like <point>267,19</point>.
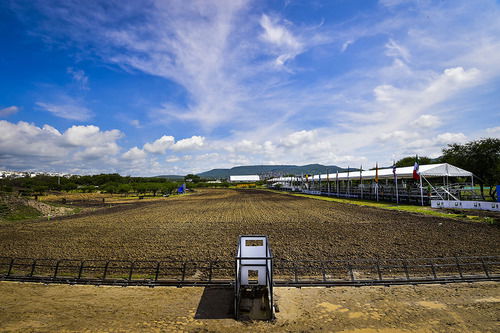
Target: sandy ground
<point>425,308</point>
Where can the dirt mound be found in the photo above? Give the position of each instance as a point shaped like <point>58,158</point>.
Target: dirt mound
<point>11,203</point>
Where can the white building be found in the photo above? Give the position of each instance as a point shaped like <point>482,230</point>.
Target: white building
<point>244,179</point>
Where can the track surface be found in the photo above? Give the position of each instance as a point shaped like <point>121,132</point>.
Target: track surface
<point>205,226</point>
<point>463,307</point>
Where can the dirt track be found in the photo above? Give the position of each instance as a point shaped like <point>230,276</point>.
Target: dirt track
<point>206,225</point>
<point>467,308</point>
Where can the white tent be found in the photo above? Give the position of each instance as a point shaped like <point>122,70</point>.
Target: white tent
<point>427,170</point>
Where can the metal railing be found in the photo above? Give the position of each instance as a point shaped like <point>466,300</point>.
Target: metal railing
<point>222,273</point>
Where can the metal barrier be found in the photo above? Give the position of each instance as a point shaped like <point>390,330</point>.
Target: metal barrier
<point>332,273</point>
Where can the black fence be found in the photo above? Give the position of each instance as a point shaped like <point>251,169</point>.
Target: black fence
<point>222,273</point>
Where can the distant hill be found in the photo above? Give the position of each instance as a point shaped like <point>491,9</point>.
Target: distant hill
<point>171,177</point>
<point>270,170</point>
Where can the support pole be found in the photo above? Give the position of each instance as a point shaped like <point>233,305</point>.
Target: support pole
<point>421,191</point>
<point>397,193</point>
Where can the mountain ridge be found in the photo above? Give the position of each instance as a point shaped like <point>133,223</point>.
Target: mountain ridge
<point>270,170</point>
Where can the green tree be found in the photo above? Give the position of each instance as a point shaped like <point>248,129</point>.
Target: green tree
<point>124,188</point>
<point>192,178</point>
<point>69,187</point>
<point>40,189</point>
<point>410,161</point>
<point>481,157</point>
<point>154,187</point>
<point>110,188</point>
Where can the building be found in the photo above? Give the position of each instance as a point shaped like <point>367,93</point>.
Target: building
<point>244,179</point>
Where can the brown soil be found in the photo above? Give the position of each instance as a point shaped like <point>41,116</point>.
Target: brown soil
<point>206,225</point>
<point>432,308</point>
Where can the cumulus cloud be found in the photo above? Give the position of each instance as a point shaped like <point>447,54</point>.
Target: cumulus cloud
<point>10,110</point>
<point>27,145</point>
<point>194,142</point>
<point>160,145</point>
<point>134,153</point>
<point>88,136</point>
<point>298,138</point>
<point>446,138</point>
<point>67,111</point>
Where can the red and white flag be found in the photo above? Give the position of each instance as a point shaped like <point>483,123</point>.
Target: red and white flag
<point>416,173</point>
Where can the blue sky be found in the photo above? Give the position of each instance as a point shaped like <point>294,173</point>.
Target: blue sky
<point>173,87</point>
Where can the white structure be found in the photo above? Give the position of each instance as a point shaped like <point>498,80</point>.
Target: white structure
<point>254,248</point>
<point>254,279</point>
<point>362,184</point>
<point>427,170</point>
<point>481,205</point>
<point>244,179</point>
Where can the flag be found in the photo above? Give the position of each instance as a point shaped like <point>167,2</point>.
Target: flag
<point>376,173</point>
<point>416,173</point>
<point>394,170</point>
<point>361,173</point>
<point>337,178</point>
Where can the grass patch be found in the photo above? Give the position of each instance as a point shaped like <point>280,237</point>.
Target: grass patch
<point>391,206</point>
<point>22,212</point>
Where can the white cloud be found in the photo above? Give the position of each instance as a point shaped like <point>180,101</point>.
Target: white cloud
<point>194,142</point>
<point>285,43</point>
<point>298,138</point>
<point>136,123</point>
<point>89,136</point>
<point>427,121</point>
<point>346,45</point>
<point>5,112</point>
<point>172,159</point>
<point>79,77</point>
<point>446,138</point>
<point>25,145</point>
<point>392,3</point>
<point>134,153</point>
<point>493,131</point>
<point>160,146</point>
<point>67,111</point>
<point>396,50</point>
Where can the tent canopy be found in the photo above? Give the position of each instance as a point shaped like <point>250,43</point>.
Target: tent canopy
<point>427,170</point>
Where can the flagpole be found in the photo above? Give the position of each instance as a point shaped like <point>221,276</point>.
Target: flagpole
<point>376,180</point>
